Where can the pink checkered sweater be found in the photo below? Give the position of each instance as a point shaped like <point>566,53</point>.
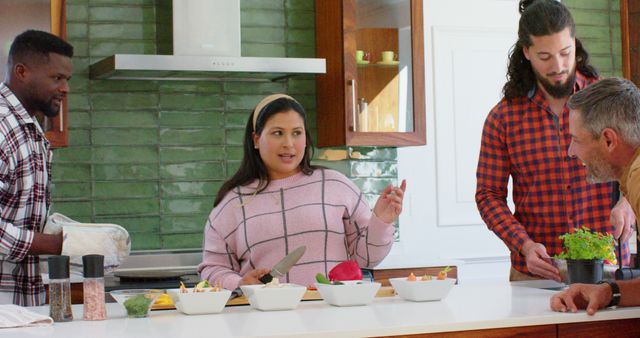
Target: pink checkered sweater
<point>324,211</point>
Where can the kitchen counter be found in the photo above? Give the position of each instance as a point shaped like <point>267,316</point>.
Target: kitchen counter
<point>468,307</point>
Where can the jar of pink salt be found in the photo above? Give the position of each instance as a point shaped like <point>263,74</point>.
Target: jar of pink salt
<point>93,287</point>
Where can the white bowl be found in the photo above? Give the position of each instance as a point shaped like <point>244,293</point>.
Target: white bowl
<point>141,300</point>
<point>196,303</point>
<point>351,293</point>
<point>284,297</point>
<point>422,291</point>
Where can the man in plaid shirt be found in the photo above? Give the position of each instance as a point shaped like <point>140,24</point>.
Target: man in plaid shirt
<point>38,71</point>
<point>526,136</point>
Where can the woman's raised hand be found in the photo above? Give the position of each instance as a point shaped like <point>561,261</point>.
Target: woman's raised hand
<point>389,204</point>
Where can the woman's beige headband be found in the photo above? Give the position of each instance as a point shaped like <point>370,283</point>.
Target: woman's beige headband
<point>265,102</point>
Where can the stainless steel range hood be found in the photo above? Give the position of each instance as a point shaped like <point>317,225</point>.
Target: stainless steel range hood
<point>183,67</point>
<point>206,46</point>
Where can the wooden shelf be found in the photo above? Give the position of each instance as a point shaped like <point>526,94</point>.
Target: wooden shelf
<point>347,82</point>
<point>367,65</point>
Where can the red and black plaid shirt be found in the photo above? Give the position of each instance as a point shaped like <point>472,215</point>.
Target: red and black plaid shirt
<point>523,139</point>
<point>25,164</point>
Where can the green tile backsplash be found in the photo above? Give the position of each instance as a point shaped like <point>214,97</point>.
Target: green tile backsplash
<point>151,155</point>
<point>598,26</point>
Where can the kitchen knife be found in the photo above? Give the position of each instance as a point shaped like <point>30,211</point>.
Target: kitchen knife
<point>284,265</point>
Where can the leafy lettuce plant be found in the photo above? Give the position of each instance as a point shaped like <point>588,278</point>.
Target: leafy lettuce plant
<point>584,244</point>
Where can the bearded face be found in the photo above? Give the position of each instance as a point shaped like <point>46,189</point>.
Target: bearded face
<point>47,84</point>
<point>49,105</point>
<point>553,60</point>
<point>557,89</point>
<point>591,150</point>
<point>598,169</point>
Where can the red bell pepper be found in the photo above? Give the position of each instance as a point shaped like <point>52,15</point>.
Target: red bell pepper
<point>347,270</point>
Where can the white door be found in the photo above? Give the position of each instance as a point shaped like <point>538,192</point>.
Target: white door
<point>466,49</point>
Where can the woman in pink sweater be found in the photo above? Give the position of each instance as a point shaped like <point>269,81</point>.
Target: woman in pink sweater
<point>278,201</point>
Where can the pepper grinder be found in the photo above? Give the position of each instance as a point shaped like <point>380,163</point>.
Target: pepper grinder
<point>59,289</point>
<point>93,287</point>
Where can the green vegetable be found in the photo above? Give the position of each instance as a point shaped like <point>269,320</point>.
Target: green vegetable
<point>203,284</point>
<point>320,278</point>
<point>137,306</point>
<point>584,244</point>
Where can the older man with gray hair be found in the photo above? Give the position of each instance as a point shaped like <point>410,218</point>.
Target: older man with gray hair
<point>604,122</point>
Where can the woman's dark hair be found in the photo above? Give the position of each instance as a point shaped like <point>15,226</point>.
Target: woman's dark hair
<point>540,18</point>
<point>252,167</point>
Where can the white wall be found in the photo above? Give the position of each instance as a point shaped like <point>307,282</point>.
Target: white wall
<point>16,16</point>
<point>465,65</point>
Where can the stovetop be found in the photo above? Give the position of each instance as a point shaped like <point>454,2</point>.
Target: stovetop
<point>117,283</point>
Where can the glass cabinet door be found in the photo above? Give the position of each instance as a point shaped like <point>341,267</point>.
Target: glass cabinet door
<point>377,47</point>
<point>383,59</point>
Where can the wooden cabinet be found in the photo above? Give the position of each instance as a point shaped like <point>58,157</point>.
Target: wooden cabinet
<point>630,29</point>
<point>539,331</point>
<point>46,15</point>
<point>373,101</point>
<point>56,128</point>
<point>607,328</point>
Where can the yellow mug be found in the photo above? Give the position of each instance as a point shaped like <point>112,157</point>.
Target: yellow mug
<point>388,56</point>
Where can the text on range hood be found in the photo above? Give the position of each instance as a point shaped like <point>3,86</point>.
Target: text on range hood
<point>183,67</point>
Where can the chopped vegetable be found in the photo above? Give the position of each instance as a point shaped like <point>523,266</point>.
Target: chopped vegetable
<point>320,278</point>
<point>274,283</point>
<point>426,277</point>
<point>347,270</point>
<point>217,286</point>
<point>443,273</point>
<point>183,289</point>
<point>412,277</point>
<point>164,299</point>
<point>203,284</point>
<point>137,306</point>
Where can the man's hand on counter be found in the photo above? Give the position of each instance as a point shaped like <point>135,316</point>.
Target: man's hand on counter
<point>44,244</point>
<point>582,296</point>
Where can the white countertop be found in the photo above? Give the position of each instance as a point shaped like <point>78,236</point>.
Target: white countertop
<point>467,307</point>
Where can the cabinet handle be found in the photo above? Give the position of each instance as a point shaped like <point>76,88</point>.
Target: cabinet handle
<point>353,104</point>
<point>61,114</point>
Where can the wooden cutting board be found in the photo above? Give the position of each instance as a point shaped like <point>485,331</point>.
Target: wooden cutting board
<point>385,291</point>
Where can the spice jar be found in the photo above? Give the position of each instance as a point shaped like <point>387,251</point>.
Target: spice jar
<point>59,289</point>
<point>93,287</point>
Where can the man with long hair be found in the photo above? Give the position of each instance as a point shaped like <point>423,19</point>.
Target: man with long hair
<point>526,137</point>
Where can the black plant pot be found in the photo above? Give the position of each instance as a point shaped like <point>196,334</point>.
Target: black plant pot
<point>587,271</point>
